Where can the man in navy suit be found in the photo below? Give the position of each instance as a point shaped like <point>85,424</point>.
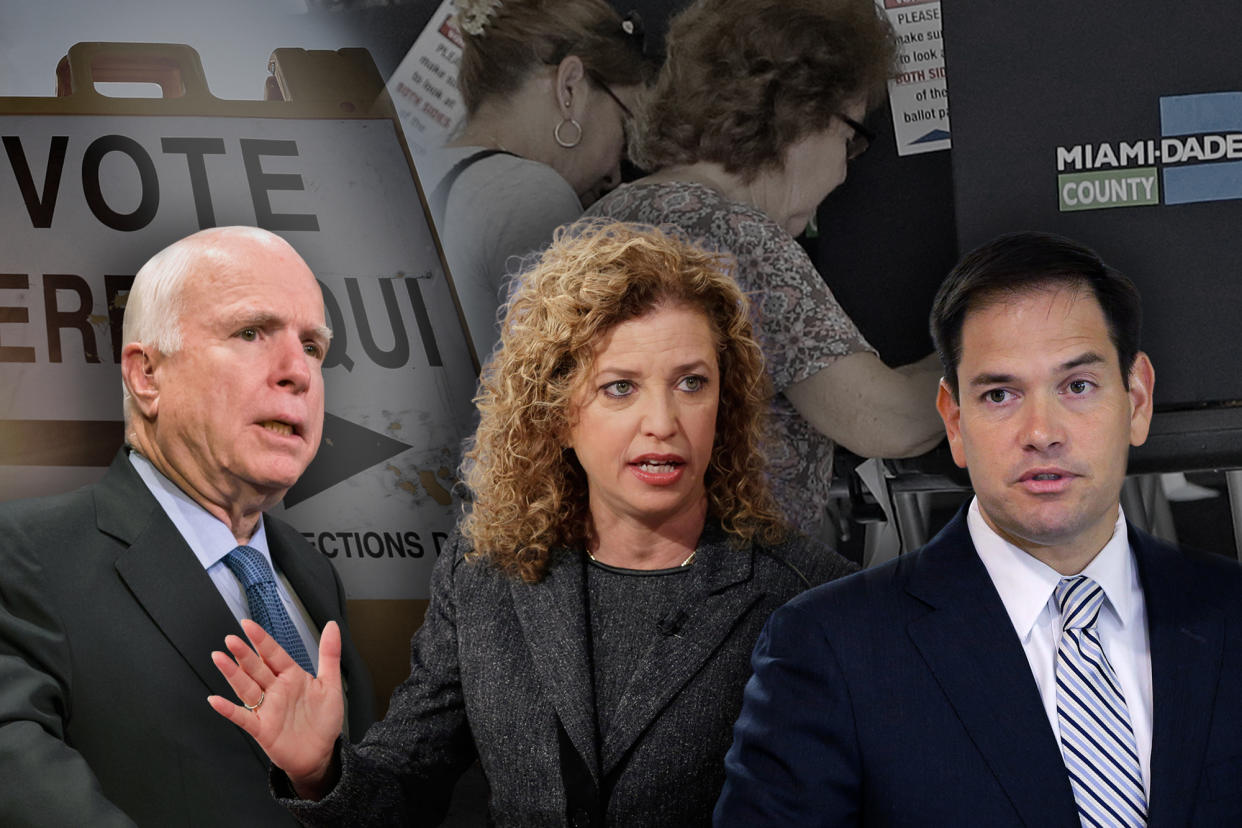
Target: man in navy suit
<point>961,684</point>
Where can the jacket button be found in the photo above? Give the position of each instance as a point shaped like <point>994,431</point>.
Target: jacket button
<point>580,818</point>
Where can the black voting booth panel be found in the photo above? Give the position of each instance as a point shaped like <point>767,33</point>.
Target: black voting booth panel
<point>1120,127</point>
<point>1025,80</point>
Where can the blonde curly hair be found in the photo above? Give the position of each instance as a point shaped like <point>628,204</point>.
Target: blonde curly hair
<point>529,491</point>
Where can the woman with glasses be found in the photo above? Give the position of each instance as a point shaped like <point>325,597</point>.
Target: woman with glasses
<point>751,123</point>
<point>548,87</point>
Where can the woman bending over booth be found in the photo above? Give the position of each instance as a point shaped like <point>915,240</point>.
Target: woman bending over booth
<point>751,123</point>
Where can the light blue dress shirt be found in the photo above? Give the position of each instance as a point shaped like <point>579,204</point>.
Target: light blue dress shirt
<point>210,539</point>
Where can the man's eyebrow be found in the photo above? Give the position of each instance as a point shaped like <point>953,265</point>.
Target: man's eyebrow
<point>256,319</point>
<point>1088,358</point>
<point>991,379</point>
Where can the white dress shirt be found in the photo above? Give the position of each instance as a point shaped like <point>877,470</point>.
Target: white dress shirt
<point>1026,588</point>
<point>211,541</point>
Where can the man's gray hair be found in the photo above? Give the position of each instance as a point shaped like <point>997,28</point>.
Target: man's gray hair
<point>154,306</point>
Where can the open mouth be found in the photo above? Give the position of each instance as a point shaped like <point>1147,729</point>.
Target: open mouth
<point>1050,482</point>
<point>282,428</point>
<point>658,467</point>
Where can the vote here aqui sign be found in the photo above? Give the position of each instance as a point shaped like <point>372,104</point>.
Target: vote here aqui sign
<point>85,199</point>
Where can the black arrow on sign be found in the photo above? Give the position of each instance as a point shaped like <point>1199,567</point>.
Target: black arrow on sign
<point>347,449</point>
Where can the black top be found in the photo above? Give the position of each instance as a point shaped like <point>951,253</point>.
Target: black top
<point>629,609</point>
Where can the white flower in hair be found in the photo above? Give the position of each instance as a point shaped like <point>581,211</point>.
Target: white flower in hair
<point>473,15</point>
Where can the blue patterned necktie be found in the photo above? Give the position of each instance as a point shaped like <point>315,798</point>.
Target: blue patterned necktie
<point>1097,740</point>
<point>256,575</point>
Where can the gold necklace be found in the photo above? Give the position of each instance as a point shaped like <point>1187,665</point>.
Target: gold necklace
<point>686,562</point>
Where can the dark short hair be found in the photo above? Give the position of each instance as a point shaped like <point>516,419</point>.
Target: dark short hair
<point>1019,263</point>
<point>746,79</point>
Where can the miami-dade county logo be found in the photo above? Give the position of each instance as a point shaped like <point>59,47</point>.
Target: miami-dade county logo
<point>1197,158</point>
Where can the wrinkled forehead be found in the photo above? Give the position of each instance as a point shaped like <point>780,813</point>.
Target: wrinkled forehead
<point>260,274</point>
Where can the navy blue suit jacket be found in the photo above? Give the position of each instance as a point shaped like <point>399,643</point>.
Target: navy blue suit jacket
<point>902,696</point>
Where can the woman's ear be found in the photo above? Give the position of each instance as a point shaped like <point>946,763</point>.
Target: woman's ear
<point>570,87</point>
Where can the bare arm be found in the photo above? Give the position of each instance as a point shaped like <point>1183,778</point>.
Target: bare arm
<point>871,409</point>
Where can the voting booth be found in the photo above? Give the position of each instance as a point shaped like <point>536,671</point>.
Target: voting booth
<point>91,186</point>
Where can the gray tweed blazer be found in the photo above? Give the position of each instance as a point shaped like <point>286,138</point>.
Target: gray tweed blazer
<point>500,671</point>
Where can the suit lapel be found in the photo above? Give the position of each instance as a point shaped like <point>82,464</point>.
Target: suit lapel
<point>176,592</point>
<point>711,610</point>
<point>974,654</point>
<point>162,573</point>
<point>1187,646</point>
<point>553,618</point>
<point>164,576</point>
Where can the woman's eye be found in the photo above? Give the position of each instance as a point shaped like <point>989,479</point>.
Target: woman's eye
<point>619,388</point>
<point>693,383</point>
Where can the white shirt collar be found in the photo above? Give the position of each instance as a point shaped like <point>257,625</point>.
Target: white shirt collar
<point>1026,584</point>
<point>207,536</point>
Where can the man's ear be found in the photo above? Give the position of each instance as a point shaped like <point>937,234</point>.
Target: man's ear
<point>951,413</point>
<point>570,87</point>
<point>138,363</point>
<point>1142,385</point>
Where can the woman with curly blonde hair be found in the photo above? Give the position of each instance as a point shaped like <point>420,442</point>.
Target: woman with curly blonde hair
<point>530,491</point>
<point>590,627</point>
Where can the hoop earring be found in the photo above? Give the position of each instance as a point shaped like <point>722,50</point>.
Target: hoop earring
<point>556,133</point>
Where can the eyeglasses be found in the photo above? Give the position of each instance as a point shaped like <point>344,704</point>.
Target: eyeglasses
<point>598,81</point>
<point>859,141</point>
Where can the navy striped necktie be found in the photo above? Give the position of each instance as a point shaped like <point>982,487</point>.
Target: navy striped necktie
<point>1097,740</point>
<point>266,609</point>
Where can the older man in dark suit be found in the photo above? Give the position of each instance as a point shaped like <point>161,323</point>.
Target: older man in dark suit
<point>113,597</point>
<point>1039,662</point>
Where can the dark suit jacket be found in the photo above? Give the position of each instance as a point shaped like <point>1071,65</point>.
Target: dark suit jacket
<point>902,696</point>
<point>107,623</point>
<point>501,670</point>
